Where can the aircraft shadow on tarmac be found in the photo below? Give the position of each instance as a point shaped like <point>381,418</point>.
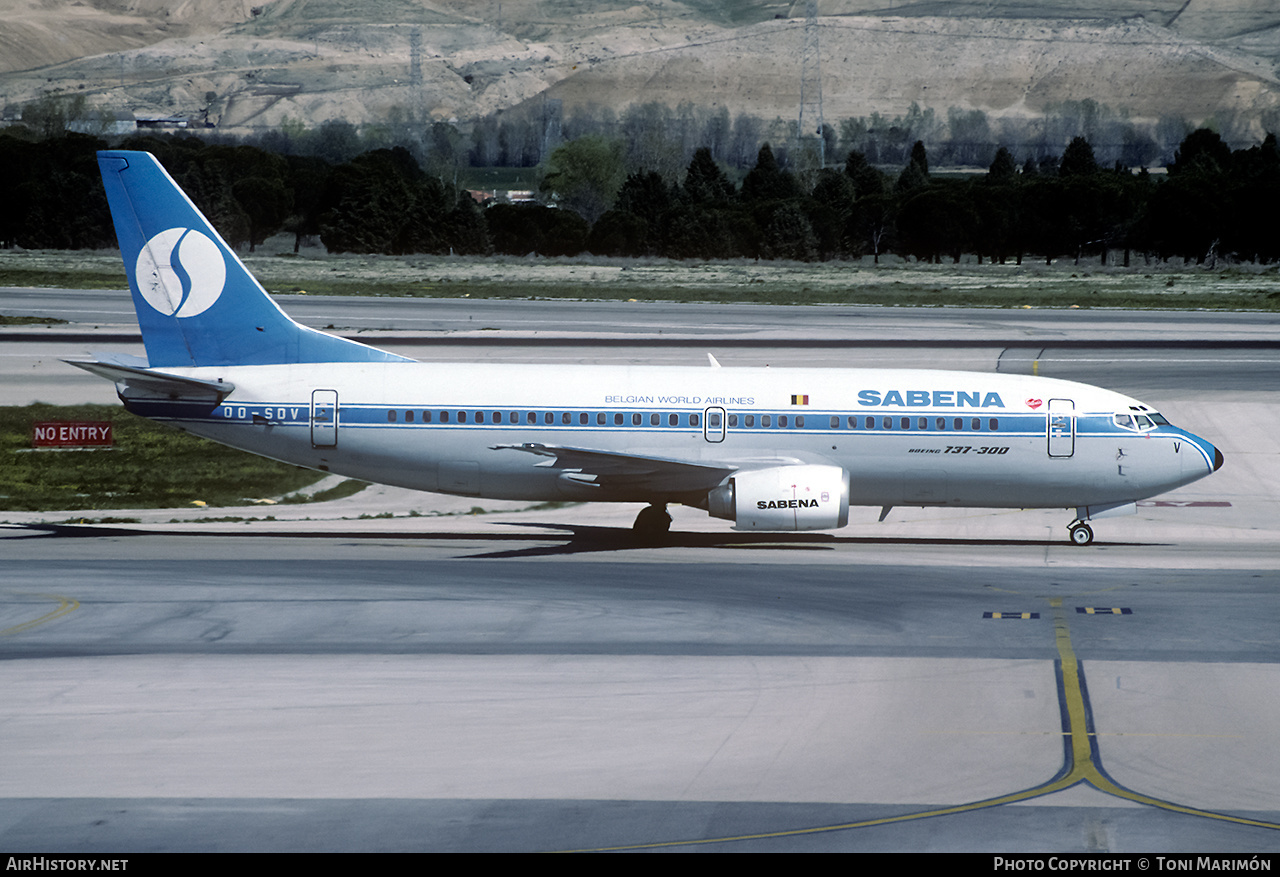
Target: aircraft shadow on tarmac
<point>576,538</point>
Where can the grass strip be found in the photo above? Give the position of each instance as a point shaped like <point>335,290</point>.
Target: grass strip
<point>902,284</point>
<point>150,466</point>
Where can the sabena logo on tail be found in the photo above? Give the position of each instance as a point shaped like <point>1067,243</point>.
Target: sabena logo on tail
<point>181,272</point>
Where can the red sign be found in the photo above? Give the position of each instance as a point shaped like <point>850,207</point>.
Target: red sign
<point>71,434</point>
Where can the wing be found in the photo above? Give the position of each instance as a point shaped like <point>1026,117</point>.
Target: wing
<point>613,470</point>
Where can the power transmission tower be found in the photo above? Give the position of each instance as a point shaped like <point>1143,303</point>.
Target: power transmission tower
<point>810,123</point>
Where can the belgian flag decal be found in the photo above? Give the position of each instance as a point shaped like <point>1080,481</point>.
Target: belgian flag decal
<point>799,400</point>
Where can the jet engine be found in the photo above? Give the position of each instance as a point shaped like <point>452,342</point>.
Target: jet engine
<point>809,497</point>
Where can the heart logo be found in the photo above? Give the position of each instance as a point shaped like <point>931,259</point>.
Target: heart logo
<point>1034,403</point>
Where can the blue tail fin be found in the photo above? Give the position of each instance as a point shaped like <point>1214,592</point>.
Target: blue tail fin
<point>197,304</point>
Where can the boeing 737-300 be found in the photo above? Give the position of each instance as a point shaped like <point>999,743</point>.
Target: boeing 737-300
<point>770,449</point>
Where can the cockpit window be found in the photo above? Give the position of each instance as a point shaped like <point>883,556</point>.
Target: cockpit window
<point>1140,422</point>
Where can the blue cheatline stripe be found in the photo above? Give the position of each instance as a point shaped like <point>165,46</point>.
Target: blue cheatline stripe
<point>365,415</point>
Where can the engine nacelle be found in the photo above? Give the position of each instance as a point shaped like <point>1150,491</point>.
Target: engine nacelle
<point>806,497</point>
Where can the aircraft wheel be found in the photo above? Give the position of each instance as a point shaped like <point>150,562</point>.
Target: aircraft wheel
<point>652,523</point>
<point>1081,534</point>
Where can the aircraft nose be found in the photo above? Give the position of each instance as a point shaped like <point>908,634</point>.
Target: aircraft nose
<point>1217,459</point>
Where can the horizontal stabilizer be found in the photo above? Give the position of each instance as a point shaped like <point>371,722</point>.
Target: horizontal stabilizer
<point>139,382</point>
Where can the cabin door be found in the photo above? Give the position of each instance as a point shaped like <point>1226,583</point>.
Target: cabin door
<point>324,418</point>
<point>1062,427</point>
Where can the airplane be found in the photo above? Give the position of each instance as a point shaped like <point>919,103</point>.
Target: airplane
<point>769,449</point>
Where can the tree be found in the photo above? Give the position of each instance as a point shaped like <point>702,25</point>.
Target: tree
<point>789,235</point>
<point>767,182</point>
<point>466,231</point>
<point>704,182</point>
<point>373,205</point>
<point>1003,168</point>
<point>866,179</point>
<point>636,224</point>
<point>832,200</point>
<point>520,229</point>
<point>920,157</point>
<point>266,203</point>
<point>50,116</point>
<point>937,220</point>
<point>916,174</point>
<point>1078,160</point>
<point>1202,150</point>
<point>585,175</point>
<point>308,177</point>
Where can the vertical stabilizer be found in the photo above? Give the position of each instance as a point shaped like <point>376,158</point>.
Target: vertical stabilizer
<point>196,302</point>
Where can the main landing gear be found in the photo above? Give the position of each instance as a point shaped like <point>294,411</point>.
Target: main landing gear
<point>1081,533</point>
<point>652,524</point>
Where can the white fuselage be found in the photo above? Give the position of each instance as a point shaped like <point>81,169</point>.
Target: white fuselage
<point>905,437</point>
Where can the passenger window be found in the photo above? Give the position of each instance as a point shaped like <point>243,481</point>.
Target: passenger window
<point>673,420</point>
<point>601,419</point>
<point>655,420</point>
<point>531,417</point>
<point>426,417</point>
<point>940,423</point>
<point>905,423</point>
<point>750,420</point>
<point>462,417</point>
<point>617,419</point>
<point>583,418</point>
<point>444,416</point>
<point>922,423</point>
<point>694,420</point>
<point>958,423</point>
<point>766,420</point>
<point>635,419</point>
<point>713,420</point>
<point>391,417</point>
<point>871,423</point>
<point>799,421</point>
<point>479,417</point>
<point>514,417</point>
<point>733,420</point>
<point>888,423</point>
<point>782,420</point>
<point>566,418</point>
<point>835,422</point>
<point>408,417</point>
<point>993,424</point>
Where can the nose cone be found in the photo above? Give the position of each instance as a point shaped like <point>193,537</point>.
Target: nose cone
<point>1200,458</point>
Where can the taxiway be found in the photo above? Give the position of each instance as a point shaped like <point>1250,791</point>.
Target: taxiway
<point>534,680</point>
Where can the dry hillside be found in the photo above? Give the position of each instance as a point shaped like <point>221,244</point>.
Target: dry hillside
<point>247,65</point>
